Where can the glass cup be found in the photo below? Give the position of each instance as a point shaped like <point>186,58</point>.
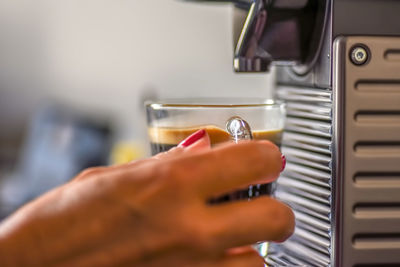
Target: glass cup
<point>225,120</point>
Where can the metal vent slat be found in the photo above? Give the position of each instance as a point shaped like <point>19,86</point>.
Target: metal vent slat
<point>304,95</point>
<point>313,221</point>
<point>316,190</point>
<point>306,210</point>
<point>303,114</point>
<point>325,110</point>
<point>313,205</point>
<point>278,261</point>
<point>311,140</point>
<point>315,239</point>
<point>312,229</point>
<point>307,179</point>
<point>310,172</point>
<point>306,195</point>
<point>308,158</point>
<point>309,243</point>
<point>278,258</point>
<point>309,111</point>
<point>309,256</point>
<point>307,143</point>
<point>312,127</point>
<point>322,159</point>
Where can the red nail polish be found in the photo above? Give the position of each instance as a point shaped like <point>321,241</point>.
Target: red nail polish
<point>193,138</point>
<point>283,162</point>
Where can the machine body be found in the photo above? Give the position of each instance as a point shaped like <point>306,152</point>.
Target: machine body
<point>338,69</point>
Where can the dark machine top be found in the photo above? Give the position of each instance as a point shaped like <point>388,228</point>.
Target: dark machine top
<point>297,35</point>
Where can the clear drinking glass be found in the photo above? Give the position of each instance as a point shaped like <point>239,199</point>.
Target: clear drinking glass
<point>225,120</point>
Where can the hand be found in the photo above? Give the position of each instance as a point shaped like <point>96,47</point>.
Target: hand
<point>154,212</point>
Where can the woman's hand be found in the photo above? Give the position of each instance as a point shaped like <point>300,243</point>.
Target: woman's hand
<point>154,212</point>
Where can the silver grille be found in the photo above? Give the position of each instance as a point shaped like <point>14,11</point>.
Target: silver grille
<point>306,183</point>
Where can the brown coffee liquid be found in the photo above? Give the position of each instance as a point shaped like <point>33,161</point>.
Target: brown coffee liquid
<point>163,139</point>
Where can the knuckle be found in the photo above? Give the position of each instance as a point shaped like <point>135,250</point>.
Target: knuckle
<point>170,153</point>
<point>93,171</point>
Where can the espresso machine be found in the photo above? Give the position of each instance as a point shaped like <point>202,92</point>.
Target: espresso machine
<point>338,70</point>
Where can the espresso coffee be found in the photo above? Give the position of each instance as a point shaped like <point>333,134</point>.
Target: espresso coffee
<point>163,139</point>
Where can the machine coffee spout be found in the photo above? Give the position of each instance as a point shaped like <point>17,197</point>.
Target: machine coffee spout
<point>282,32</point>
<point>249,56</point>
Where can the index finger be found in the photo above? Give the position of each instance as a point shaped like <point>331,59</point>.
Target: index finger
<point>231,166</point>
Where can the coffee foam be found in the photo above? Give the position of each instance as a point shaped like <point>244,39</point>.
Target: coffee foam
<point>174,136</point>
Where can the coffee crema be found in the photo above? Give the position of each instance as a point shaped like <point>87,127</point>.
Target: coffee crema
<point>163,138</point>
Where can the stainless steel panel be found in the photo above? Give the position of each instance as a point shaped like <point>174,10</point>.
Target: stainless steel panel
<point>368,165</point>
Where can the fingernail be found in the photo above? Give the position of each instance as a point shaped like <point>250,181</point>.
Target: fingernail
<point>193,138</point>
<point>283,162</point>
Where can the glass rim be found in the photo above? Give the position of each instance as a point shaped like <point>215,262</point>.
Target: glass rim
<point>217,102</point>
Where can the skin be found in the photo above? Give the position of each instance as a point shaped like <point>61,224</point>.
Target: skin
<point>154,212</point>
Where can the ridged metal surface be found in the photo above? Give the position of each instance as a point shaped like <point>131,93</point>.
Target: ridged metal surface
<point>306,183</point>
<point>370,168</point>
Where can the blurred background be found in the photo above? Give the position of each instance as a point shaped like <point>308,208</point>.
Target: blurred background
<point>74,76</point>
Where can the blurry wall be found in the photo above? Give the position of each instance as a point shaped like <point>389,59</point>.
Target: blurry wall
<point>102,56</point>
